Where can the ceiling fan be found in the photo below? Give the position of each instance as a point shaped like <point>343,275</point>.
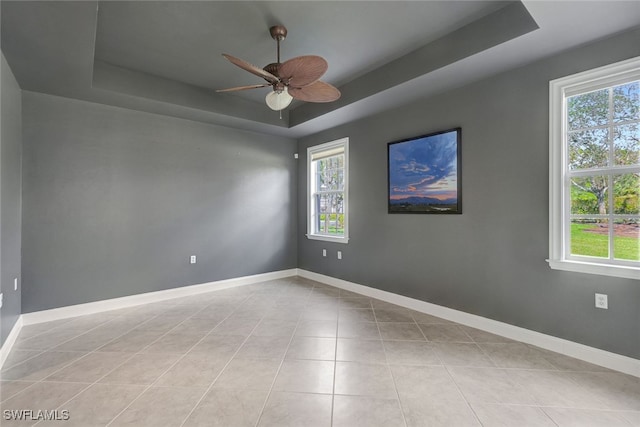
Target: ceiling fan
<point>297,78</point>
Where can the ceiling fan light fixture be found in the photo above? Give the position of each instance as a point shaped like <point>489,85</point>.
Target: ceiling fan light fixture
<point>278,100</point>
<point>300,74</point>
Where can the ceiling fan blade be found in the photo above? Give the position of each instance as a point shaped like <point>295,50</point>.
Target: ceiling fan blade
<point>234,89</point>
<point>316,92</point>
<point>302,71</point>
<point>251,68</point>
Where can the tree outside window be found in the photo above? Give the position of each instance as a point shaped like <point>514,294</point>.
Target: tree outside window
<point>603,144</point>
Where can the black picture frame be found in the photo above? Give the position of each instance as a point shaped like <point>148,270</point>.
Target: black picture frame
<point>424,174</point>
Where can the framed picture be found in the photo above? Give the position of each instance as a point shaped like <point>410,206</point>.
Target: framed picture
<point>424,174</point>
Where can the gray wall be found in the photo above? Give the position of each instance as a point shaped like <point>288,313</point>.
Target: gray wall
<point>115,201</point>
<point>490,260</point>
<point>10,199</point>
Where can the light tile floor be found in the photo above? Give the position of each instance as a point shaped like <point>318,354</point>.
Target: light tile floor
<point>294,352</point>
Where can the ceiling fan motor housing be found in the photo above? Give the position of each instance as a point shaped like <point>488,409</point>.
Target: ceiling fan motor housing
<point>273,68</point>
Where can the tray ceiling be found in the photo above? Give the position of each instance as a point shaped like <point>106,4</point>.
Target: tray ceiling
<point>165,57</point>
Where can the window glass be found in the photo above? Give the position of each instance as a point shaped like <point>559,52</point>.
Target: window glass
<point>595,171</point>
<point>328,185</point>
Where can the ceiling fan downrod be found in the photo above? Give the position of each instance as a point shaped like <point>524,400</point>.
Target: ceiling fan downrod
<point>278,33</point>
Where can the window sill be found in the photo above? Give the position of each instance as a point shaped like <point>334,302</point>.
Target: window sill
<point>327,238</point>
<point>594,268</point>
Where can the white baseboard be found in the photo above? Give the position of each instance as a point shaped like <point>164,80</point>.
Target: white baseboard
<point>11,339</point>
<point>133,300</point>
<point>593,355</point>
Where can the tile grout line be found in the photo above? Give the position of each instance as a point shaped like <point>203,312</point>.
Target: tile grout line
<point>491,359</point>
<point>179,358</point>
<point>264,405</point>
<point>482,350</point>
<point>335,361</point>
<point>208,389</point>
<point>446,367</point>
<point>65,341</point>
<point>473,411</point>
<point>95,382</point>
<point>70,319</point>
<point>125,361</point>
<point>92,329</point>
<point>2,401</point>
<point>464,397</point>
<point>89,352</point>
<point>225,366</point>
<point>75,336</point>
<point>96,350</point>
<point>430,348</point>
<point>6,368</point>
<point>384,350</point>
<point>549,416</point>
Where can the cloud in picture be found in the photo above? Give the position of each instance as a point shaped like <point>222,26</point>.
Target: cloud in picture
<point>424,167</point>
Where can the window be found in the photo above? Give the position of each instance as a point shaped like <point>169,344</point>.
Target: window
<point>328,180</point>
<point>595,171</point>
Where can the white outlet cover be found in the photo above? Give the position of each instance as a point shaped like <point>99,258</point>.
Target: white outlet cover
<point>1,300</point>
<point>193,259</point>
<point>602,301</point>
<point>324,252</point>
<point>15,284</point>
<point>339,254</point>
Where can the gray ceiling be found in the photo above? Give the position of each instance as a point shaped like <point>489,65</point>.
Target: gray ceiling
<point>164,57</point>
<point>183,41</point>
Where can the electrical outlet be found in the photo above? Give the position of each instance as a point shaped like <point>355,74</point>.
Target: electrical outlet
<point>15,284</point>
<point>339,254</point>
<point>1,299</point>
<point>324,252</point>
<point>193,259</point>
<point>602,301</point>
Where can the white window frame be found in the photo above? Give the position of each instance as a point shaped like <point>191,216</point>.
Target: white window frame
<point>559,202</point>
<point>311,234</point>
